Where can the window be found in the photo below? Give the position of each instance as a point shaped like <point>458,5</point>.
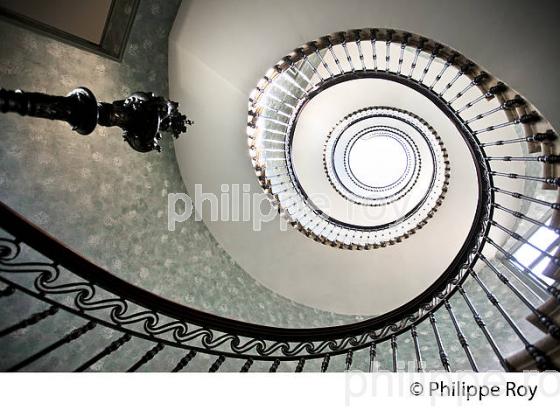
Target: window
<point>528,256</point>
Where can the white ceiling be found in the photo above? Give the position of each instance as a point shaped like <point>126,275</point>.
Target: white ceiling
<point>218,51</point>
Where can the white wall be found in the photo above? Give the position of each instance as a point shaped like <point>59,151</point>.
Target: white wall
<point>218,51</point>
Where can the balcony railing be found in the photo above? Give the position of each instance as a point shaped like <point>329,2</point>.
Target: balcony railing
<point>79,297</point>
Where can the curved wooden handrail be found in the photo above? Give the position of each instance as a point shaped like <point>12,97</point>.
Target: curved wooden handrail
<point>30,234</point>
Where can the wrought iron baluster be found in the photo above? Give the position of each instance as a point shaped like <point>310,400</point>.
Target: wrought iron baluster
<point>551,205</point>
<point>433,55</point>
<point>550,289</point>
<point>306,60</point>
<point>113,347</point>
<point>534,288</point>
<point>551,327</point>
<point>150,354</point>
<point>246,366</point>
<point>540,358</point>
<point>465,69</point>
<point>319,222</point>
<point>73,335</point>
<point>282,183</point>
<point>479,79</point>
<point>287,189</point>
<point>289,92</point>
<point>394,352</point>
<point>507,105</point>
<point>297,73</point>
<point>390,34</point>
<point>358,40</point>
<point>274,366</point>
<point>327,40</point>
<point>492,91</point>
<point>549,181</point>
<point>442,354</point>
<point>419,48</point>
<point>296,200</point>
<point>547,159</point>
<point>414,334</point>
<point>450,60</point>
<point>31,320</point>
<point>184,362</point>
<point>461,336</point>
<point>404,43</point>
<point>373,35</point>
<point>313,46</point>
<point>372,354</point>
<point>547,136</point>
<point>349,356</point>
<point>325,363</point>
<point>519,238</point>
<point>345,47</point>
<point>524,119</point>
<point>550,248</point>
<point>478,320</point>
<point>521,215</point>
<point>217,364</point>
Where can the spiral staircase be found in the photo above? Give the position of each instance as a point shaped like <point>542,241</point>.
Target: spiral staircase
<point>501,277</point>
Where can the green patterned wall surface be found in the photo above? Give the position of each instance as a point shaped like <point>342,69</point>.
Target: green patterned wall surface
<point>109,203</point>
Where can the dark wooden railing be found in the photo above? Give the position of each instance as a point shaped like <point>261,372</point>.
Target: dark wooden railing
<point>102,300</point>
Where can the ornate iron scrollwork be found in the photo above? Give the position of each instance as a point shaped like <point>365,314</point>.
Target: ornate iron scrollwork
<point>103,299</point>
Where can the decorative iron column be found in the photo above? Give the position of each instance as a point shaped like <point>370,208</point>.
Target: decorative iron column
<point>142,116</point>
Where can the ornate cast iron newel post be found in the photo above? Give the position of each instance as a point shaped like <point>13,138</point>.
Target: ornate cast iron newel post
<point>142,116</point>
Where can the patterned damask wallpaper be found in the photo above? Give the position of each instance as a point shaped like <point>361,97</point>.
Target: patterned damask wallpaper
<point>109,203</point>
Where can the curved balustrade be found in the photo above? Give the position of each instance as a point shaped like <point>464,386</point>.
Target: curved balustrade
<point>488,263</point>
